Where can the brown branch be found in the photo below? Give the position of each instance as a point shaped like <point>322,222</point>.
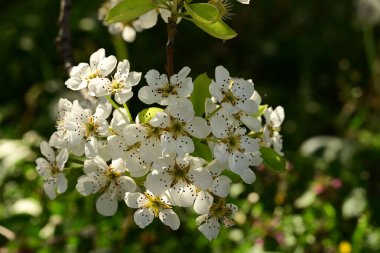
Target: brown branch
<point>63,40</point>
<point>172,32</point>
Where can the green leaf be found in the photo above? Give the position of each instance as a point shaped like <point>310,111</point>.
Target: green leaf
<point>217,29</point>
<point>202,150</point>
<point>272,160</point>
<point>203,12</point>
<point>200,93</point>
<point>129,10</point>
<point>147,114</point>
<point>262,109</point>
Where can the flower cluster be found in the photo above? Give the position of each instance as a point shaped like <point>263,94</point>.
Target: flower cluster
<point>171,155</point>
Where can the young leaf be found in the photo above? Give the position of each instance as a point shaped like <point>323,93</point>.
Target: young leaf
<point>128,10</point>
<point>147,114</point>
<point>202,12</point>
<point>272,160</point>
<point>200,93</point>
<point>217,29</point>
<point>202,150</point>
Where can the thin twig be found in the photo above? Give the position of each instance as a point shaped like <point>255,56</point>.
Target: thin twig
<point>63,39</point>
<point>172,31</point>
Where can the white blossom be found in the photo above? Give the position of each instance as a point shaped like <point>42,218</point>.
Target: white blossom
<point>233,94</point>
<point>235,148</point>
<point>120,86</point>
<point>99,68</point>
<point>273,121</point>
<point>162,90</point>
<point>179,123</point>
<point>209,225</point>
<point>180,177</point>
<point>150,207</point>
<point>84,127</point>
<point>108,180</point>
<point>51,170</point>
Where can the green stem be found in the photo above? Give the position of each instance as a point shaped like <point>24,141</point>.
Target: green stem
<point>128,113</point>
<point>213,112</point>
<point>371,52</point>
<point>114,105</point>
<point>120,47</point>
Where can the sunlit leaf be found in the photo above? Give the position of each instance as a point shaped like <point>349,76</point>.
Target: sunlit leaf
<point>272,159</point>
<point>202,150</point>
<point>202,12</point>
<point>200,93</point>
<point>217,29</point>
<point>128,10</point>
<point>147,114</point>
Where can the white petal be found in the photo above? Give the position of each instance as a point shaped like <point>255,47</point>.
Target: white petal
<point>251,122</point>
<point>149,19</point>
<point>136,166</point>
<point>182,74</point>
<point>215,168</point>
<point>129,34</point>
<point>244,1</point>
<point>220,152</point>
<point>134,133</point>
<point>158,182</point>
<point>248,106</point>
<point>143,217</point>
<point>181,108</point>
<point>169,218</point>
<point>125,184</point>
<point>122,70</point>
<point>102,165</point>
<point>203,202</point>
<point>210,229</point>
<point>254,158</point>
<point>49,187</point>
<point>152,77</point>
<point>62,157</point>
<point>47,151</point>
<point>61,183</point>
<point>117,147</point>
<point>248,176</point>
<point>151,149</point>
<point>185,87</point>
<point>76,83</point>
<point>148,95</point>
<point>238,162</point>
<point>198,128</point>
<point>183,194</point>
<point>123,96</point>
<point>107,65</point>
<point>96,57</point>
<point>87,186</point>
<point>105,205</point>
<point>134,78</point>
<point>221,186</point>
<point>201,178</point>
<point>277,117</point>
<point>135,200</point>
<point>219,126</point>
<point>99,87</point>
<point>91,147</point>
<point>43,167</point>
<point>216,91</point>
<point>222,78</point>
<point>249,144</point>
<point>161,119</point>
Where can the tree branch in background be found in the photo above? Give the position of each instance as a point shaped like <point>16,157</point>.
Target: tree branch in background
<point>63,40</point>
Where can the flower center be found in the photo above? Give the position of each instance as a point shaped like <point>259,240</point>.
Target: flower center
<point>91,128</point>
<point>168,89</point>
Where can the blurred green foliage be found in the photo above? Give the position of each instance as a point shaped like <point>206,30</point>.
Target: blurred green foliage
<point>307,56</point>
